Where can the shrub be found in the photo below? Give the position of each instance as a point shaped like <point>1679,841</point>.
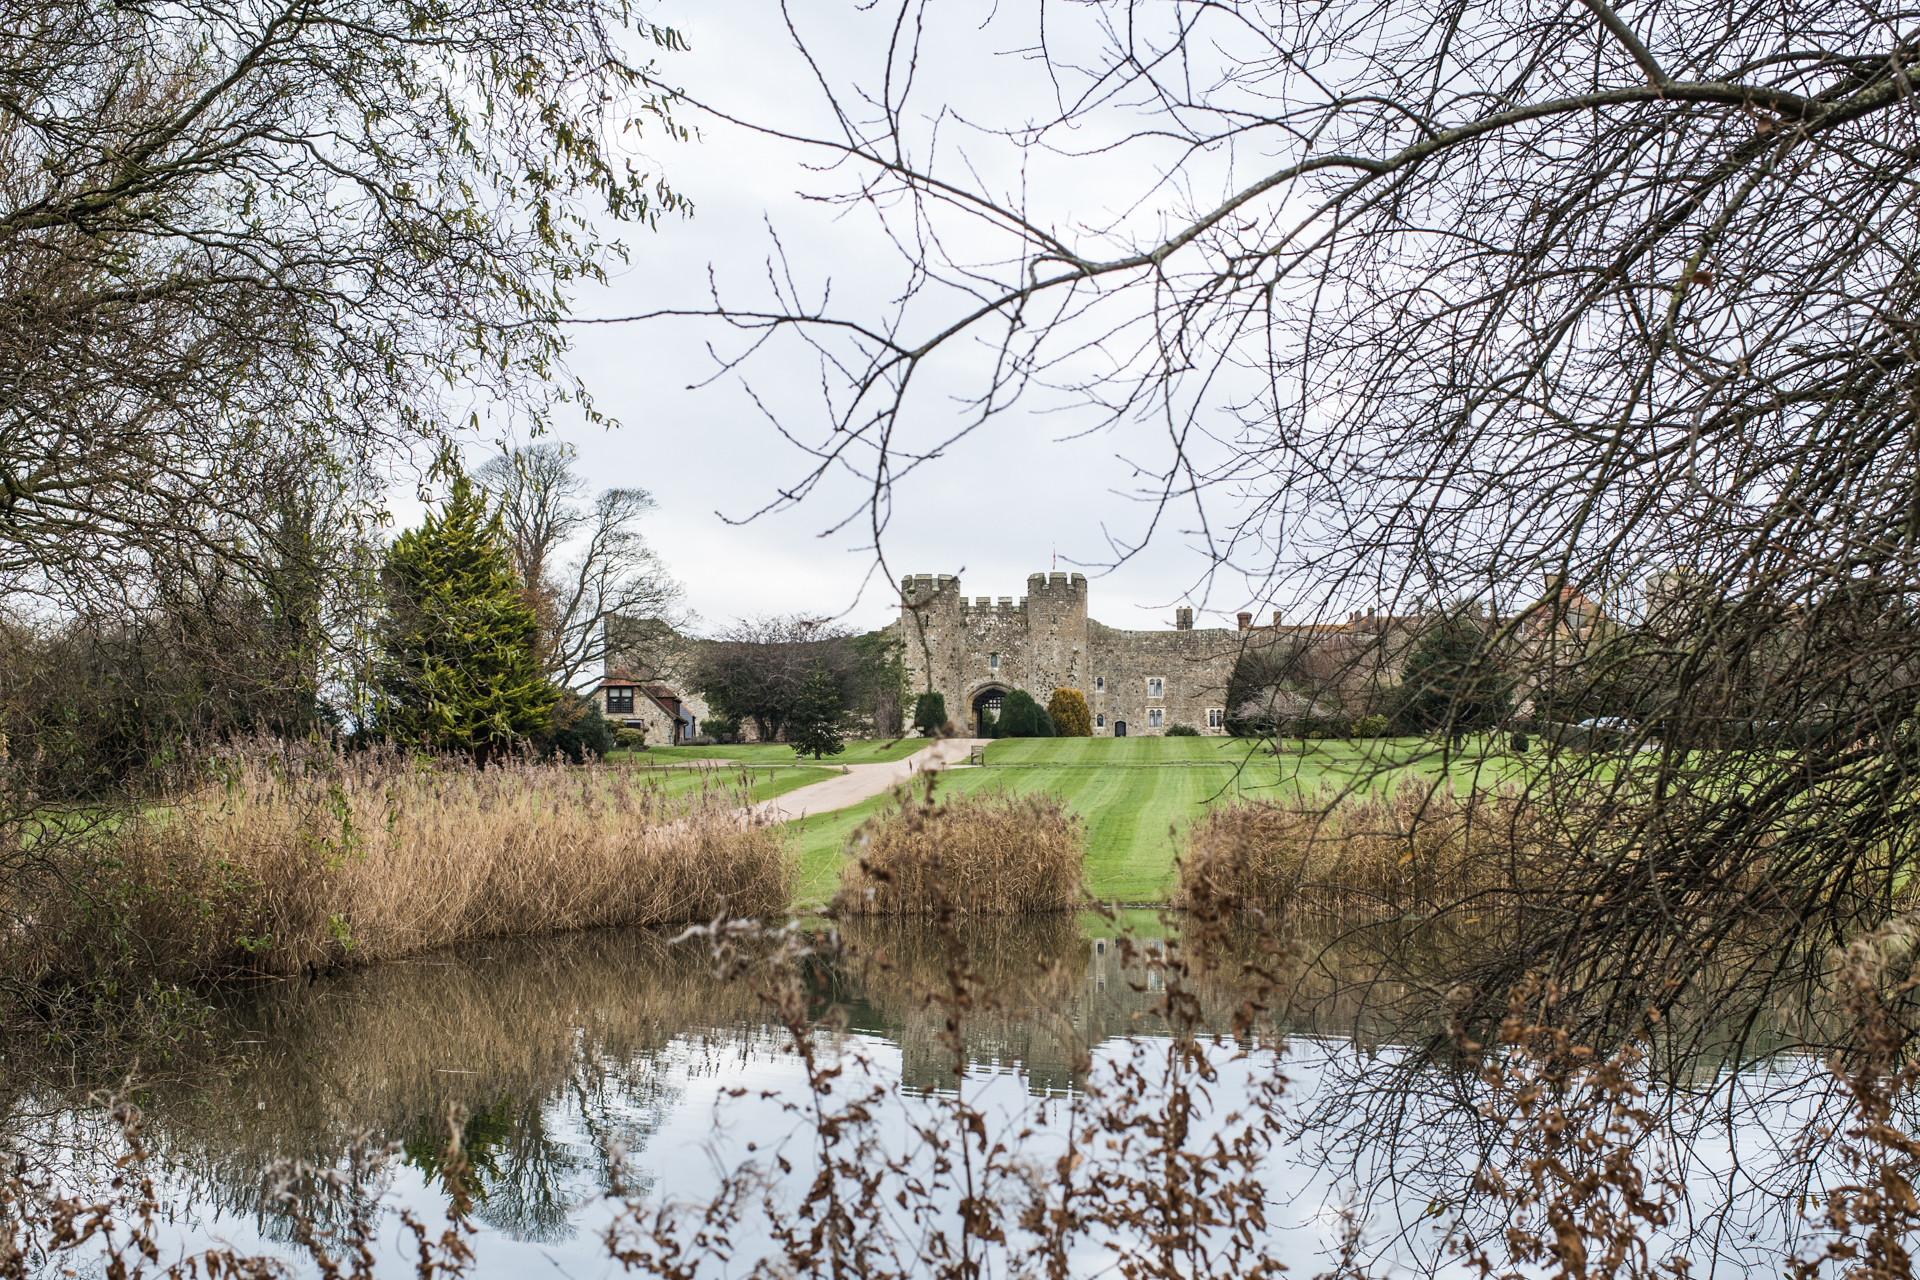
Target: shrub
<point>930,715</point>
<point>1043,726</point>
<point>1373,726</point>
<point>1182,731</point>
<point>988,854</point>
<point>1519,743</point>
<point>1416,846</point>
<point>1071,718</point>
<point>577,731</point>
<point>636,739</point>
<point>1019,716</point>
<point>294,861</point>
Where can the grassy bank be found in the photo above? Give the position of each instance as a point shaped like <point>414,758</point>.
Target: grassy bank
<point>281,863</point>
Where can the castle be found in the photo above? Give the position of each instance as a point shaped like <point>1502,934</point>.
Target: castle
<point>975,652</point>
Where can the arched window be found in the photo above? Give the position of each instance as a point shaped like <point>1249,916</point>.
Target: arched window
<point>1100,722</point>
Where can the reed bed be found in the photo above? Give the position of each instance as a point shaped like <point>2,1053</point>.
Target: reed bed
<point>1419,846</point>
<point>285,863</point>
<point>986,854</point>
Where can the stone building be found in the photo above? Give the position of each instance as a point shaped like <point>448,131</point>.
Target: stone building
<point>974,652</point>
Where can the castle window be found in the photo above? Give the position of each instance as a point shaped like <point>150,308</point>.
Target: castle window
<point>1099,684</point>
<point>993,662</point>
<point>1100,722</point>
<point>1153,718</point>
<point>620,702</point>
<point>1216,717</point>
<point>1156,687</point>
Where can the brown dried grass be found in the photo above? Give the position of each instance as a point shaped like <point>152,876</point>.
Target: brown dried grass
<point>1420,846</point>
<point>987,854</point>
<point>289,862</point>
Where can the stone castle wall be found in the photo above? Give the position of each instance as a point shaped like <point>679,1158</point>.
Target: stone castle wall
<point>1044,640</point>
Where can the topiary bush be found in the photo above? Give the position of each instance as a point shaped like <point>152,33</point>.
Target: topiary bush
<point>1374,726</point>
<point>930,714</point>
<point>1071,718</point>
<point>1182,731</point>
<point>1019,716</point>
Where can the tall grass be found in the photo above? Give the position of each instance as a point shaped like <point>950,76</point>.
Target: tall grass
<point>1419,846</point>
<point>990,853</point>
<point>281,863</point>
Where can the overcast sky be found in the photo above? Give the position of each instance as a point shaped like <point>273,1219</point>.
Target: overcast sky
<point>999,506</point>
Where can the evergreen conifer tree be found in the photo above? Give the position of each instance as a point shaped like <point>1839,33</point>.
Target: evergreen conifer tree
<point>930,714</point>
<point>458,668</point>
<point>817,718</point>
<point>1452,683</point>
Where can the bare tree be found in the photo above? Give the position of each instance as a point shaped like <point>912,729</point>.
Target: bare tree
<point>611,573</point>
<point>1486,301</point>
<point>329,228</point>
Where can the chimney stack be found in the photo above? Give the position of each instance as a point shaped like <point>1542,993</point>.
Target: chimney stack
<point>1246,621</point>
<point>1183,619</point>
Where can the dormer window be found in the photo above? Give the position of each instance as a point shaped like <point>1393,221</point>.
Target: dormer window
<point>1156,687</point>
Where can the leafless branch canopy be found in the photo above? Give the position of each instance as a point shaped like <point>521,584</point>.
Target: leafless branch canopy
<point>1528,304</point>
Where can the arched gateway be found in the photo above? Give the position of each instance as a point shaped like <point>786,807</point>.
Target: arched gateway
<point>988,699</point>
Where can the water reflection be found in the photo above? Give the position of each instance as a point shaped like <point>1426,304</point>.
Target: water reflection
<point>562,1049</point>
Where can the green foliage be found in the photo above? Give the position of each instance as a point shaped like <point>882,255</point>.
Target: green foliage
<point>930,713</point>
<point>1373,726</point>
<point>1182,731</point>
<point>1043,726</point>
<point>630,739</point>
<point>578,731</point>
<point>459,669</point>
<point>878,687</point>
<point>1453,682</point>
<point>1071,717</point>
<point>818,717</point>
<point>1019,716</point>
<point>759,670</point>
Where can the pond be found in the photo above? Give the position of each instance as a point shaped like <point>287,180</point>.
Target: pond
<point>592,1064</point>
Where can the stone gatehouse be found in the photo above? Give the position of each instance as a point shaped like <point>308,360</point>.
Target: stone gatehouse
<point>1137,683</point>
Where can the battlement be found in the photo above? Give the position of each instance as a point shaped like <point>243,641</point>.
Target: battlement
<point>919,588</point>
<point>986,606</point>
<point>1057,583</point>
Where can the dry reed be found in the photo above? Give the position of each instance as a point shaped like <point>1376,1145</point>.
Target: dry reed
<point>1418,847</point>
<point>289,862</point>
<point>989,854</point>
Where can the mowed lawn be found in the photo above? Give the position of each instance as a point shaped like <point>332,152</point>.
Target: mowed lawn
<point>761,782</point>
<point>772,753</point>
<point>1137,796</point>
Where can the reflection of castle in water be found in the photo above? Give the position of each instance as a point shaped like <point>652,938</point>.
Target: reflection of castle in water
<point>1042,1025</point>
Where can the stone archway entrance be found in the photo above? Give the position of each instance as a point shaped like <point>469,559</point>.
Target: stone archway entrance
<point>986,700</point>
